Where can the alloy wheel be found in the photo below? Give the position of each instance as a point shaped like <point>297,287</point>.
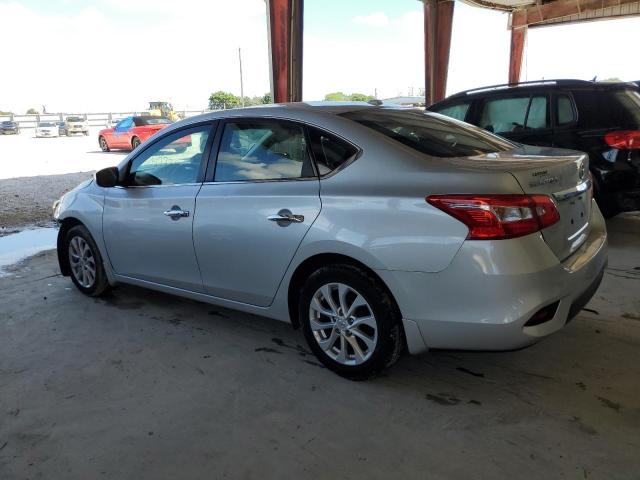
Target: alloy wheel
<point>82,261</point>
<point>343,324</point>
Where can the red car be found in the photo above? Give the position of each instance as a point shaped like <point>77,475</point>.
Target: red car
<point>131,132</point>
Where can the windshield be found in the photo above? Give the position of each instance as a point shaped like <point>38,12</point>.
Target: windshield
<point>430,133</point>
<point>75,119</point>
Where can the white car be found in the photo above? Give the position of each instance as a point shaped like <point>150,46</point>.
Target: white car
<point>47,129</point>
<point>77,125</point>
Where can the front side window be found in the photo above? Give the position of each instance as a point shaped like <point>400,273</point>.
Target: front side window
<point>458,111</point>
<point>264,150</point>
<point>171,160</point>
<point>514,114</point>
<point>329,151</point>
<point>434,135</point>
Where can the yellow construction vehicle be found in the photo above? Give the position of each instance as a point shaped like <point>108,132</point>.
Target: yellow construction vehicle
<point>163,109</point>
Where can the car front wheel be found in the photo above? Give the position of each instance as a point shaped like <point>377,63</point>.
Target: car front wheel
<point>350,321</point>
<point>104,146</point>
<point>135,142</point>
<point>85,262</point>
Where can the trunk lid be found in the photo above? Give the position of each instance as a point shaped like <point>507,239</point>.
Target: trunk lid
<point>561,174</point>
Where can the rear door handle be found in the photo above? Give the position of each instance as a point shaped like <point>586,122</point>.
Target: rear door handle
<point>285,217</point>
<point>176,213</point>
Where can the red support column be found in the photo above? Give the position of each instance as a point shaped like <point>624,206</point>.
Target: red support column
<point>285,49</point>
<point>518,36</point>
<point>438,20</point>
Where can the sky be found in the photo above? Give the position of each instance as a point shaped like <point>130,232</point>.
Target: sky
<point>117,55</point>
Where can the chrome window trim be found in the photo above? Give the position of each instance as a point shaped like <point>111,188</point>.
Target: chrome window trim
<point>305,124</point>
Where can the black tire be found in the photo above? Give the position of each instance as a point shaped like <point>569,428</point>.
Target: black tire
<point>104,146</point>
<point>390,337</point>
<point>135,142</point>
<point>86,134</point>
<point>100,284</point>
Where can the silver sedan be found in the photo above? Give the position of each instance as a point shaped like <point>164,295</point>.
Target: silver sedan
<point>373,229</point>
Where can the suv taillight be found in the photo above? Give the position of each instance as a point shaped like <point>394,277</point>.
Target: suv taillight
<point>624,139</point>
<point>495,217</point>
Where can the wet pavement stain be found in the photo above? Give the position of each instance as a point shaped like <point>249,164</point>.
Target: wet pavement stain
<point>298,348</point>
<point>465,370</point>
<point>608,403</point>
<point>443,399</point>
<point>267,350</point>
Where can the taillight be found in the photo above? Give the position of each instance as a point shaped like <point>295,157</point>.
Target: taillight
<point>624,139</point>
<point>495,217</point>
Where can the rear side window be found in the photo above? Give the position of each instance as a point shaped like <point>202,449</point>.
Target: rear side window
<point>268,150</point>
<point>608,109</point>
<point>458,111</point>
<point>329,151</point>
<point>566,114</point>
<point>504,115</point>
<point>430,134</point>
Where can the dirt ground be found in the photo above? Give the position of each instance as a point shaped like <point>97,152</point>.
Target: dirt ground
<point>37,171</point>
<point>28,200</point>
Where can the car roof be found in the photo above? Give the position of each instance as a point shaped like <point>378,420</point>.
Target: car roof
<point>295,110</point>
<point>542,85</point>
<point>312,113</point>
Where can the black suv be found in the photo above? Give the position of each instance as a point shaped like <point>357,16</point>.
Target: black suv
<point>602,119</point>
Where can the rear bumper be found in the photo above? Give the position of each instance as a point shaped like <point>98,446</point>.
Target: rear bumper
<point>483,300</point>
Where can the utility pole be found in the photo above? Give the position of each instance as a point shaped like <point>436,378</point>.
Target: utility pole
<point>241,85</point>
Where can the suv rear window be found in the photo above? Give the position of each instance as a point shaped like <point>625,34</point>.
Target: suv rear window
<point>457,111</point>
<point>608,109</point>
<point>432,134</point>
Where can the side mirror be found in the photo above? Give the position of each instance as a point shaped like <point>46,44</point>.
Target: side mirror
<point>107,177</point>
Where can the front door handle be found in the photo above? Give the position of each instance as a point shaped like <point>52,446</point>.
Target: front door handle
<point>176,213</point>
<point>284,217</point>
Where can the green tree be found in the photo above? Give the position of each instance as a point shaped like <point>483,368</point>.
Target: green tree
<point>32,111</point>
<point>336,97</point>
<point>222,100</point>
<point>360,97</point>
<point>266,98</point>
<point>2,112</point>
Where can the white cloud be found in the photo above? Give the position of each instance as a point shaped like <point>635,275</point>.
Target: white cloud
<point>93,59</point>
<point>375,19</point>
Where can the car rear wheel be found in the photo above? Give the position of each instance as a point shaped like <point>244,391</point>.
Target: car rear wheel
<point>350,321</point>
<point>135,142</point>
<point>104,146</point>
<point>85,262</point>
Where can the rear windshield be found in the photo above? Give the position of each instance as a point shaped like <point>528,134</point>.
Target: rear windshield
<point>608,109</point>
<point>139,121</point>
<point>75,119</point>
<point>429,133</point>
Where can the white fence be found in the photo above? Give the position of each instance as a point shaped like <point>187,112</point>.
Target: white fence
<point>95,119</point>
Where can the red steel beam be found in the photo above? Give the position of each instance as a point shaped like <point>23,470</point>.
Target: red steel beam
<point>285,48</point>
<point>540,13</point>
<point>438,20</point>
<point>518,36</point>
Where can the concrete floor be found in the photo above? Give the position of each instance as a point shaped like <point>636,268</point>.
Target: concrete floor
<point>146,386</point>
